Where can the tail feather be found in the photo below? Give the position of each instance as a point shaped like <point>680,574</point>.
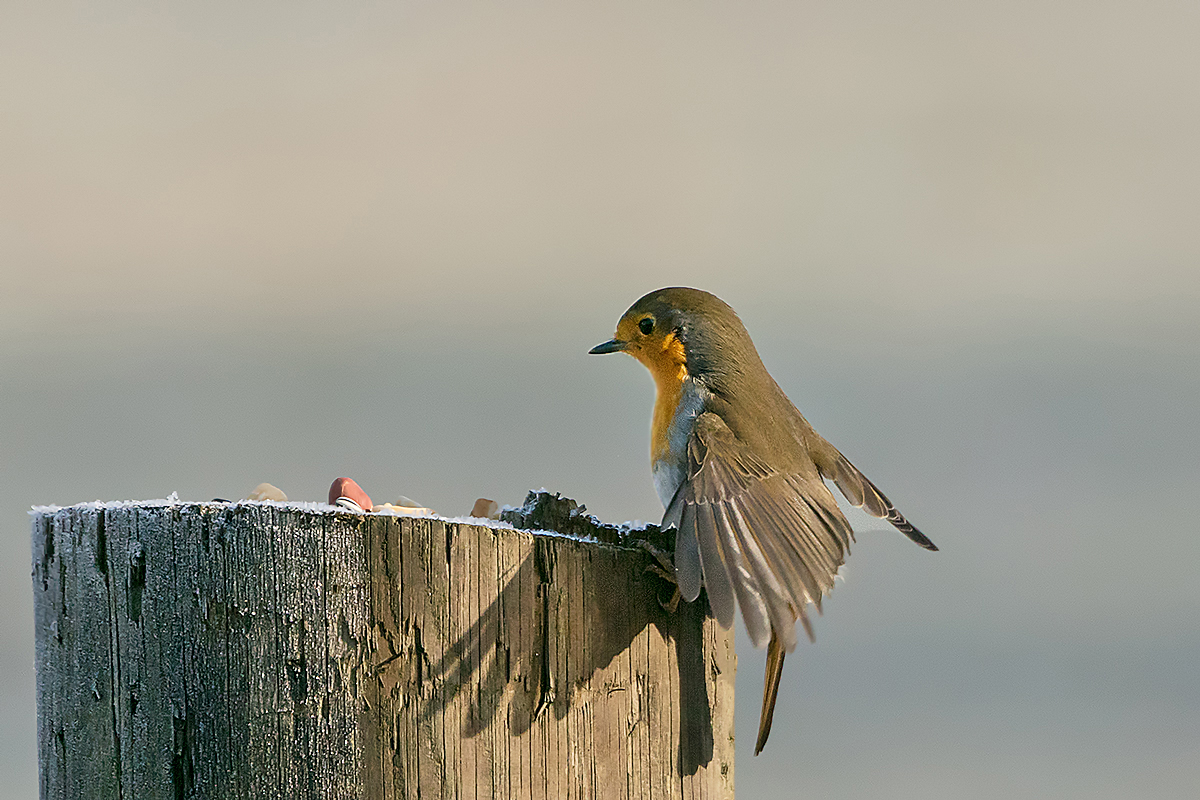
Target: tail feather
<point>775,655</point>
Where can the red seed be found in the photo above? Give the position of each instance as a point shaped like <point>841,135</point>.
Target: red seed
<point>346,487</point>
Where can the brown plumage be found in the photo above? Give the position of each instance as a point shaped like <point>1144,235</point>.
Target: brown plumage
<point>741,474</point>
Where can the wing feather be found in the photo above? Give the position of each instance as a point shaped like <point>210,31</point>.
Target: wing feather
<point>716,576</point>
<point>749,593</point>
<point>770,540</point>
<point>795,575</point>
<point>759,581</point>
<point>687,554</point>
<point>863,494</point>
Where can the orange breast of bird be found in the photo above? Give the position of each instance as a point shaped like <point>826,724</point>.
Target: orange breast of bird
<point>668,364</point>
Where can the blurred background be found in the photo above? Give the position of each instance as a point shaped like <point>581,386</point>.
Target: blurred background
<point>290,241</point>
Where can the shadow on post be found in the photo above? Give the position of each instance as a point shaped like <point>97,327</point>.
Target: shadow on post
<point>612,619</point>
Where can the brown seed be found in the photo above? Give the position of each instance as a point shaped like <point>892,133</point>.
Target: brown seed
<point>486,509</point>
<point>265,491</point>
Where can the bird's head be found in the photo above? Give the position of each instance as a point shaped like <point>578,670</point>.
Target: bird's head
<point>676,332</point>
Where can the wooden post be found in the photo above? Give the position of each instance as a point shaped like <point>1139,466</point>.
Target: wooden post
<point>266,651</point>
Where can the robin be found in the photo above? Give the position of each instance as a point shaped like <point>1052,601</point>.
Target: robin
<point>741,474</point>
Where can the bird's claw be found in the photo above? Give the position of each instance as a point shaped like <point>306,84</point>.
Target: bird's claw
<point>666,563</point>
<point>665,569</point>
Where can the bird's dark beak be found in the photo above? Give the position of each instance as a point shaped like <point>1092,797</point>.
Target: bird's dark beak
<point>611,346</point>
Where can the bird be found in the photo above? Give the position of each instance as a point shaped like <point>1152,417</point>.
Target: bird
<point>741,475</point>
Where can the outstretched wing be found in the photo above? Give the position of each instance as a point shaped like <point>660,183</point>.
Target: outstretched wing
<point>771,540</point>
<point>862,493</point>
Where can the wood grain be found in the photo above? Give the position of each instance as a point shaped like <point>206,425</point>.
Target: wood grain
<point>267,651</point>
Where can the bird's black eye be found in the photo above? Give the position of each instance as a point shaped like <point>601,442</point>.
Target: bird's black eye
<point>646,326</point>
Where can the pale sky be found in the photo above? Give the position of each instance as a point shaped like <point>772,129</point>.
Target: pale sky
<point>291,242</point>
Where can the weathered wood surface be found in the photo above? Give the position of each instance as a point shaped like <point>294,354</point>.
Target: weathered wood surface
<point>262,651</point>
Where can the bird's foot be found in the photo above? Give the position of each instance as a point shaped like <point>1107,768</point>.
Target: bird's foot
<point>664,567</point>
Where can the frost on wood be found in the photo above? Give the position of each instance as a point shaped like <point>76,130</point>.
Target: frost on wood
<point>261,651</point>
<point>553,513</point>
